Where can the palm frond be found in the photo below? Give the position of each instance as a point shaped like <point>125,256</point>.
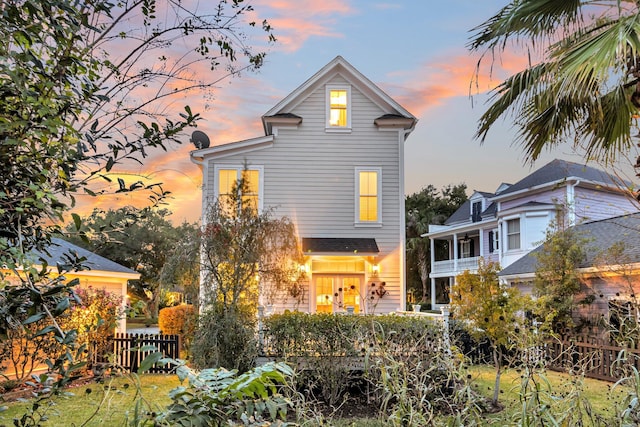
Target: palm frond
<point>531,19</point>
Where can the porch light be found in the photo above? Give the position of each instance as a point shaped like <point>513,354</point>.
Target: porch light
<point>375,269</point>
<point>466,237</point>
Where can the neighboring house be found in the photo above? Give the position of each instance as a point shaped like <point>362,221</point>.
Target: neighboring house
<point>508,224</point>
<point>610,272</point>
<point>102,273</point>
<point>331,160</point>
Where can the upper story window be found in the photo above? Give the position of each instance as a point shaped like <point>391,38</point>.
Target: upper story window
<point>338,107</point>
<point>513,234</point>
<point>238,188</point>
<point>476,211</point>
<point>368,200</point>
<point>494,240</point>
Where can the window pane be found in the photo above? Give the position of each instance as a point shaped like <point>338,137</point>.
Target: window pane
<point>324,295</point>
<point>338,98</point>
<point>227,179</point>
<point>368,208</point>
<point>351,293</point>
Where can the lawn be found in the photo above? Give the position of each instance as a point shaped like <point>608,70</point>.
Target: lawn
<point>113,400</point>
<point>598,393</point>
<point>109,402</point>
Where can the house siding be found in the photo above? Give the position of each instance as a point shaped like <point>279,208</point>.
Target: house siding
<point>556,196</point>
<point>591,205</point>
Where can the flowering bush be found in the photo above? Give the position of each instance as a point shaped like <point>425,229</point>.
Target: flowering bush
<point>94,317</point>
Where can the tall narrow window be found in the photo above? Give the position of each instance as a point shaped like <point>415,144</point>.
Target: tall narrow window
<point>368,203</point>
<point>338,107</point>
<point>476,212</point>
<point>513,234</point>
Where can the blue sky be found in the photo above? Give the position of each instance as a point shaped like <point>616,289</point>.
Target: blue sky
<point>414,50</point>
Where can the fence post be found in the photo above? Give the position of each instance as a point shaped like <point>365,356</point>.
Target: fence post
<point>445,334</point>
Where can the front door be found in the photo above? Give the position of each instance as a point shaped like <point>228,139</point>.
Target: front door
<point>337,292</point>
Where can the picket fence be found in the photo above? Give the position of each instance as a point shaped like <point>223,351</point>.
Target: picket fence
<point>129,354</point>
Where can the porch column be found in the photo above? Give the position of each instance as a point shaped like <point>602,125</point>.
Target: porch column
<point>455,253</point>
<point>481,243</point>
<point>433,293</point>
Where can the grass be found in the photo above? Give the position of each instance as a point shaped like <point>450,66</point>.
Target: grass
<point>598,393</point>
<point>109,403</point>
<point>114,400</point>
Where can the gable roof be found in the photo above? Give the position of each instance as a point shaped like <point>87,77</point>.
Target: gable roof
<point>558,171</point>
<point>59,248</point>
<point>339,66</point>
<point>601,235</point>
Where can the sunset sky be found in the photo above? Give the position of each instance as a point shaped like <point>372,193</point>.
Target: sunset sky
<point>414,50</point>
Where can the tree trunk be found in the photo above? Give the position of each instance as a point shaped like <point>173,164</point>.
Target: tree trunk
<point>424,274</point>
<point>497,362</point>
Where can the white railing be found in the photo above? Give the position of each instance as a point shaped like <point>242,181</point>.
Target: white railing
<point>453,267</point>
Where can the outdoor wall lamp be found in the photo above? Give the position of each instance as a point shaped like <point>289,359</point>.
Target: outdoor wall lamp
<point>375,270</point>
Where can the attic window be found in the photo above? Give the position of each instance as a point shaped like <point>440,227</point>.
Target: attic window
<point>338,108</point>
<point>476,211</point>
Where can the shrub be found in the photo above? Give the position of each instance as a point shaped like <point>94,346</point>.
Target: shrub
<point>225,339</point>
<point>177,320</point>
<point>216,397</point>
<point>332,351</point>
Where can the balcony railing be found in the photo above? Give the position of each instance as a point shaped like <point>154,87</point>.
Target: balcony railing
<point>453,267</point>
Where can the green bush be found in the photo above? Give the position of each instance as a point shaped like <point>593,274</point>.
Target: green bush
<point>332,352</point>
<point>225,339</point>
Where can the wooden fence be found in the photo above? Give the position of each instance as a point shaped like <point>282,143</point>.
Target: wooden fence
<point>128,354</point>
<point>598,360</point>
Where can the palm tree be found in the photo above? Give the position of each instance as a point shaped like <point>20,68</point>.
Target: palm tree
<point>586,85</point>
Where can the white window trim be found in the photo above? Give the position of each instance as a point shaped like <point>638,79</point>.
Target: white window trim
<point>239,169</point>
<point>507,248</point>
<point>356,203</point>
<point>328,127</point>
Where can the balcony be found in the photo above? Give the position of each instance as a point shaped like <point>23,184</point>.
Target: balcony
<point>455,267</point>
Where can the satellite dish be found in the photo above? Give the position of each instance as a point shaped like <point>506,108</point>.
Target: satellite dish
<point>200,139</point>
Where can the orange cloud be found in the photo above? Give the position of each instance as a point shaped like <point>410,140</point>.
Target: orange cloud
<point>457,75</point>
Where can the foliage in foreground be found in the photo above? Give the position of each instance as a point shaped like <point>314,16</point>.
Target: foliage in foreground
<point>411,375</point>
<point>217,397</point>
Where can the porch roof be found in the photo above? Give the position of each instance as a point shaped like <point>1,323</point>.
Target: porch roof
<point>339,246</point>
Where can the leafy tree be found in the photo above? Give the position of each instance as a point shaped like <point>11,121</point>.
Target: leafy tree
<point>249,257</point>
<point>492,311</point>
<point>143,240</point>
<point>181,271</point>
<point>583,81</point>
<point>423,208</point>
<point>556,282</point>
<point>85,86</point>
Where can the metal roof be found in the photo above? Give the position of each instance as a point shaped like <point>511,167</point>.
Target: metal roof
<point>339,245</point>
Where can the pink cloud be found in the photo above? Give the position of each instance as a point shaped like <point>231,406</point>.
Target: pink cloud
<point>295,21</point>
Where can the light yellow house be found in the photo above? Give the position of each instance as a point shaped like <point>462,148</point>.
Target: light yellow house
<point>101,273</point>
